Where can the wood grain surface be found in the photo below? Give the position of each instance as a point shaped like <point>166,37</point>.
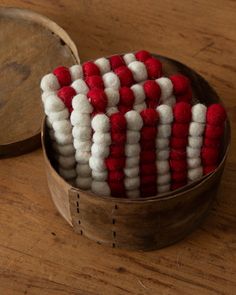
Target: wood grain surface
<point>39,252</point>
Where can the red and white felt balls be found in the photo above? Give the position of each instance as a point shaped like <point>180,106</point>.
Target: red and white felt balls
<point>119,128</point>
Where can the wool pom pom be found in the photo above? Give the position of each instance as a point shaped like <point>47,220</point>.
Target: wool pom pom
<point>147,156</point>
<point>90,69</point>
<point>149,145</point>
<point>66,94</point>
<point>163,155</point>
<point>150,117</point>
<point>132,150</point>
<point>64,150</point>
<point>100,123</point>
<point>148,133</point>
<point>131,162</point>
<point>62,138</point>
<point>117,151</point>
<point>210,156</point>
<point>80,86</point>
<point>138,70</point>
<point>165,114</point>
<point>179,176</point>
<point>81,104</point>
<point>118,122</point>
<point>124,109</point>
<point>103,64</point>
<point>116,61</point>
<point>134,120</point>
<point>111,110</point>
<point>132,137</point>
<point>94,82</point>
<point>84,146</point>
<point>148,169</point>
<point>117,189</point>
<point>162,143</point>
<point>196,129</point>
<point>154,68</point>
<point>185,97</point>
<point>180,83</point>
<point>216,114</point>
<point>114,164</point>
<point>63,76</point>
<point>214,132</point>
<point>192,152</point>
<point>193,162</point>
<point>131,172</point>
<point>83,182</point>
<point>125,76</point>
<point>113,97</point>
<point>116,176</point>
<point>67,173</point>
<point>148,180</point>
<point>180,130</point>
<point>128,58</point>
<point>81,133</point>
<point>170,101</point>
<point>111,80</point>
<point>58,116</point>
<point>153,92</point>
<point>99,151</point>
<point>81,119</point>
<point>142,55</point>
<point>178,143</point>
<point>164,131</point>
<point>166,87</point>
<point>133,194</point>
<point>102,138</point>
<point>126,96</point>
<point>163,188</point>
<point>195,142</point>
<point>182,112</point>
<point>164,179</point>
<point>62,126</point>
<point>82,157</point>
<point>178,165</point>
<point>76,72</point>
<point>100,188</point>
<point>209,169</point>
<point>199,113</point>
<point>162,166</point>
<point>49,83</point>
<point>179,154</point>
<point>132,183</point>
<point>99,176</point>
<point>66,162</point>
<point>195,173</point>
<point>139,93</point>
<point>177,185</point>
<point>98,99</point>
<point>140,107</point>
<point>215,143</point>
<point>148,191</point>
<point>97,164</point>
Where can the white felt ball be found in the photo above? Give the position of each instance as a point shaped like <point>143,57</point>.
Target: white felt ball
<point>81,104</point>
<point>113,97</point>
<point>82,157</point>
<point>132,183</point>
<point>132,172</point>
<point>80,86</point>
<point>100,123</point>
<point>139,93</point>
<point>84,146</point>
<point>100,151</point>
<point>163,155</point>
<point>111,80</point>
<point>54,104</point>
<point>99,176</point>
<point>101,188</point>
<point>102,138</point>
<point>163,188</point>
<point>62,138</point>
<point>78,118</point>
<point>199,113</point>
<point>134,120</point>
<point>82,133</point>
<point>67,173</point>
<point>49,123</point>
<point>140,107</point>
<point>83,182</point>
<point>132,136</point>
<point>76,72</point>
<point>49,83</point>
<point>63,126</point>
<point>166,88</point>
<point>193,153</point>
<point>111,110</point>
<point>66,162</point>
<point>195,173</point>
<point>163,167</point>
<point>61,115</point>
<point>164,131</point>
<point>133,194</point>
<point>195,142</point>
<point>162,143</point>
<point>164,178</point>
<point>165,114</point>
<point>128,58</point>
<point>131,162</point>
<point>45,95</point>
<point>103,65</point>
<point>196,129</point>
<point>194,162</point>
<point>64,150</point>
<point>170,101</point>
<point>138,70</point>
<point>132,150</point>
<point>97,164</point>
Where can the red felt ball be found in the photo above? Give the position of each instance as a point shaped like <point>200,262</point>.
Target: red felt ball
<point>117,151</point>
<point>94,82</point>
<point>209,142</point>
<point>116,176</point>
<point>118,122</point>
<point>148,191</point>
<point>210,156</point>
<point>63,76</point>
<point>148,179</point>
<point>147,144</point>
<point>116,61</point>
<point>147,156</point>
<point>154,68</point>
<point>90,69</point>
<point>216,114</point>
<point>209,169</point>
<point>179,176</point>
<point>180,83</point>
<point>153,92</point>
<point>182,112</point>
<point>126,97</point>
<point>148,133</point>
<point>178,154</point>
<point>178,143</point>
<point>180,130</point>
<point>117,189</point>
<point>142,55</point>
<point>125,76</point>
<point>179,184</point>
<point>118,137</point>
<point>98,99</point>
<point>114,164</point>
<point>148,169</point>
<point>185,97</point>
<point>66,94</point>
<point>124,109</point>
<point>150,117</point>
<point>178,165</point>
<point>214,132</point>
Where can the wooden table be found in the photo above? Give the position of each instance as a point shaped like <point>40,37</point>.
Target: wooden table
<point>39,253</point>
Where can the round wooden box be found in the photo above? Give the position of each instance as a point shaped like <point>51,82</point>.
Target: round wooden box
<point>141,224</point>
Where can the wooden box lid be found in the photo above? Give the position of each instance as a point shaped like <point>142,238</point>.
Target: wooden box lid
<point>31,45</point>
